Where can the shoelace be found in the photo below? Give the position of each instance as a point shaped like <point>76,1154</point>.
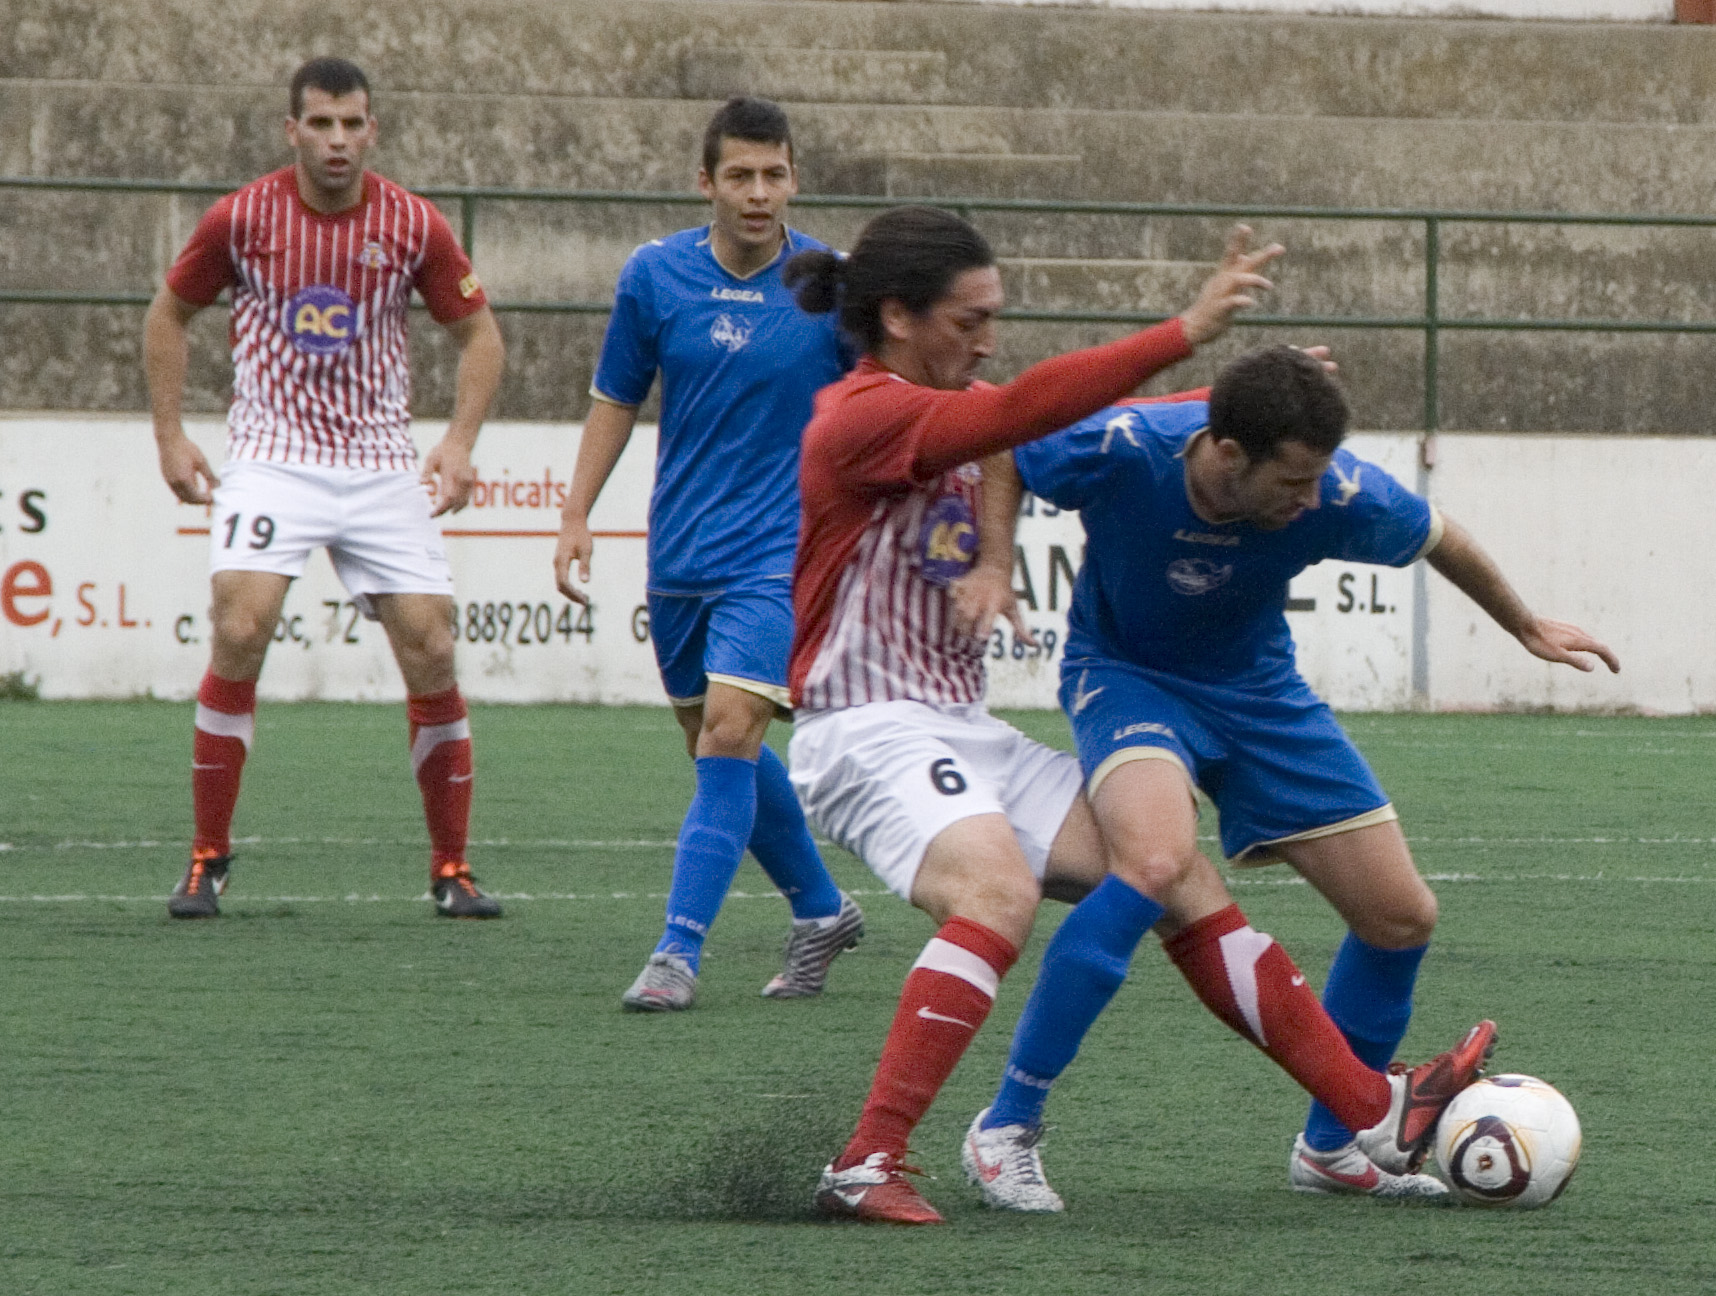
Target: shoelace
<point>897,1165</point>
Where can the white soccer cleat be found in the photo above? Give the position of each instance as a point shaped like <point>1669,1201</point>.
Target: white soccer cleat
<point>667,984</point>
<point>812,947</point>
<point>1348,1172</point>
<point>1005,1165</point>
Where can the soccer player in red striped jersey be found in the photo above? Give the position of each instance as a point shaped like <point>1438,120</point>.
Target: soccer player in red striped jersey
<point>905,558</point>
<point>321,258</point>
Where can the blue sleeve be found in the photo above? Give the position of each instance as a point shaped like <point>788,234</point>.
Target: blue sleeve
<point>1067,468</point>
<point>629,351</point>
<point>1377,520</point>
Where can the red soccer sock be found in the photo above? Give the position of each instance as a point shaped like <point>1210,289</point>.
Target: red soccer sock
<point>1248,981</point>
<point>441,759</point>
<point>947,995</point>
<point>226,723</point>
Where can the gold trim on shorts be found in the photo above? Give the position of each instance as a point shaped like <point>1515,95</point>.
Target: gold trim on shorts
<point>1262,854</point>
<point>779,694</point>
<point>1128,754</point>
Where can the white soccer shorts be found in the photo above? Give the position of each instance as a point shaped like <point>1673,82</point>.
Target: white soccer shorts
<point>884,778</point>
<point>375,526</point>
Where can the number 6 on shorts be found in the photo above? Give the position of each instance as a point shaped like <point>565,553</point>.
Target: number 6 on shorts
<point>946,777</point>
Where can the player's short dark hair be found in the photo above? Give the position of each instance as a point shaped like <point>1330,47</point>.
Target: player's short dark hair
<point>334,76</point>
<point>1277,394</point>
<point>760,121</point>
<point>907,254</point>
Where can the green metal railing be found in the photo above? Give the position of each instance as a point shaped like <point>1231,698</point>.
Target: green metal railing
<point>1431,323</point>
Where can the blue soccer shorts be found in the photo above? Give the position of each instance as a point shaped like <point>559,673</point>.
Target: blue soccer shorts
<point>740,635</point>
<point>1275,762</point>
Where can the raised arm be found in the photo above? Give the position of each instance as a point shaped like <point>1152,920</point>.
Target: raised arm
<point>482,357</point>
<point>1463,561</point>
<point>607,429</point>
<point>986,591</point>
<point>968,425</point>
<point>166,358</point>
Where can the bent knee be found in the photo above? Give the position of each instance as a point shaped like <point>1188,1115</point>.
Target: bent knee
<point>242,628</point>
<point>1156,869</point>
<point>1406,924</point>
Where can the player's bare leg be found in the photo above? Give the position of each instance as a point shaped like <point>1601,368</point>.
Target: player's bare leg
<point>724,737</point>
<point>420,629</point>
<point>1369,877</point>
<point>244,609</point>
<point>975,883</point>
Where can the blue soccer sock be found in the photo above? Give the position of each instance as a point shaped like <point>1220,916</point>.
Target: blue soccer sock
<point>711,844</point>
<point>1082,968</point>
<point>1369,996</point>
<point>781,841</point>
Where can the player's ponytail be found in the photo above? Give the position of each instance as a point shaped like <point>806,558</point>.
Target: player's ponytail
<point>907,254</point>
<point>815,279</point>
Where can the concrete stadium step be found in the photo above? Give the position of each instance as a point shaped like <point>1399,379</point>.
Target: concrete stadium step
<point>816,75</point>
<point>526,250</point>
<point>177,132</point>
<point>1268,65</point>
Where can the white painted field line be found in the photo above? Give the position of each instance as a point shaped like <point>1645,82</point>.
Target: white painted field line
<point>655,897</point>
<point>645,843</point>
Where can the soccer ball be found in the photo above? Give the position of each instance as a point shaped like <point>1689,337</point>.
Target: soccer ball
<point>1508,1140</point>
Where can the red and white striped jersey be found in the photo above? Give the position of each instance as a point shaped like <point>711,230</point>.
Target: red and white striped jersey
<point>319,304</point>
<point>889,499</point>
<point>891,635</point>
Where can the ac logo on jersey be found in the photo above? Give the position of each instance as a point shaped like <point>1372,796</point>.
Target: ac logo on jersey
<point>949,540</point>
<point>1198,575</point>
<point>321,320</point>
<point>730,333</point>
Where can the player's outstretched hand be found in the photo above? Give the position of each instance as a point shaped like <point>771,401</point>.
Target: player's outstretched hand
<point>448,473</point>
<point>1230,289</point>
<point>1561,641</point>
<point>1323,356</point>
<point>982,595</point>
<point>186,471</point>
<point>575,545</point>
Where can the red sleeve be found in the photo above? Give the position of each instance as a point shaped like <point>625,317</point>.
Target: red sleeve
<point>1172,398</point>
<point>205,266</point>
<point>890,433</point>
<point>448,285</point>
<point>953,428</point>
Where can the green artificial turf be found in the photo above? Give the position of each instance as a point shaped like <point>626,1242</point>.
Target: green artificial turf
<point>331,1090</point>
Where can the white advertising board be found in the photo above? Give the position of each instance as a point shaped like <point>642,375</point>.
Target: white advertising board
<point>104,585</point>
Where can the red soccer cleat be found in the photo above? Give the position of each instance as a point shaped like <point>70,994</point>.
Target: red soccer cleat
<point>874,1190</point>
<point>1400,1142</point>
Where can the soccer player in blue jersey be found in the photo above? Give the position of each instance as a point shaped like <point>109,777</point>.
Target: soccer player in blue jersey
<point>1179,674</point>
<point>739,364</point>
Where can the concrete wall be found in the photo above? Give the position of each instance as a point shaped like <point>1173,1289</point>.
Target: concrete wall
<point>103,579</point>
<point>1555,10</point>
<point>909,99</point>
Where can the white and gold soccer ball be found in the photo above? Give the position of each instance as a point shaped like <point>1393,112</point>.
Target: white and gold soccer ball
<point>1508,1141</point>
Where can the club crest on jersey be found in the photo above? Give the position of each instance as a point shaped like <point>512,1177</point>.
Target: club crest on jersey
<point>1198,575</point>
<point>730,333</point>
<point>949,535</point>
<point>321,320</point>
<point>373,256</point>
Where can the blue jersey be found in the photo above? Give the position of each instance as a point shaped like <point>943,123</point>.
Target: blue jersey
<point>1163,589</point>
<point>739,365</point>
